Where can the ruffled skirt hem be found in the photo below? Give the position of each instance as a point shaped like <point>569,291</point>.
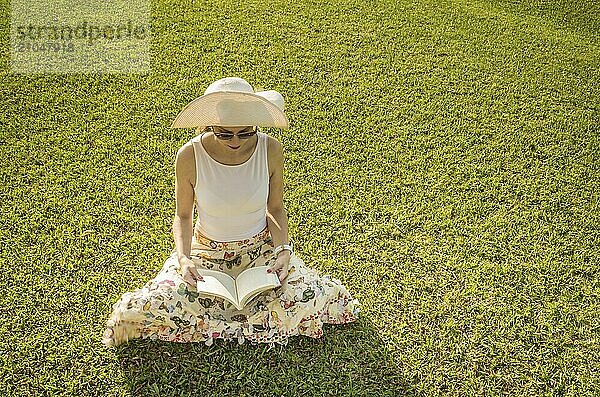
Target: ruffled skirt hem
<point>119,332</point>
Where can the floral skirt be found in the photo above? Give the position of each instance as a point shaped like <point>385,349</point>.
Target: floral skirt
<point>169,309</point>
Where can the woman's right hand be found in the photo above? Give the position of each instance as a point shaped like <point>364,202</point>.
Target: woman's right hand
<point>188,271</point>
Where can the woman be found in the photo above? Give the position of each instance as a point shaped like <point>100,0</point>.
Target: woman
<point>235,173</point>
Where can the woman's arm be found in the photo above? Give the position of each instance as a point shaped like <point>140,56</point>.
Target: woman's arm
<point>277,220</point>
<point>185,169</point>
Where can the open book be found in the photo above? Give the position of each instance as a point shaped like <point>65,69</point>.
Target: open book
<point>240,290</point>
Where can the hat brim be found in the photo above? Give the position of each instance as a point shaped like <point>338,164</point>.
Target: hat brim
<point>230,109</point>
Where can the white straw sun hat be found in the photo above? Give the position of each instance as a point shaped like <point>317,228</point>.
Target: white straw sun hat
<point>232,102</point>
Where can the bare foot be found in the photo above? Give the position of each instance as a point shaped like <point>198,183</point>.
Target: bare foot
<point>118,334</point>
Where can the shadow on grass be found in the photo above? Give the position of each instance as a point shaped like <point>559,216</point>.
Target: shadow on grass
<point>348,360</point>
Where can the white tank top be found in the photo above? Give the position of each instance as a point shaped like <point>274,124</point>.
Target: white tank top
<point>231,199</point>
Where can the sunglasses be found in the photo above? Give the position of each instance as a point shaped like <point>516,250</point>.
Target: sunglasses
<point>227,135</point>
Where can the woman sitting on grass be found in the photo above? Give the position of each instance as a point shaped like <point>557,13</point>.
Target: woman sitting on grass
<point>235,173</point>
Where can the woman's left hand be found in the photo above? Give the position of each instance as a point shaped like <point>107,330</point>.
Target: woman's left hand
<point>281,265</point>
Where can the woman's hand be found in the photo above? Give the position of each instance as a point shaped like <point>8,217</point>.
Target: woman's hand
<point>281,265</point>
<point>188,271</point>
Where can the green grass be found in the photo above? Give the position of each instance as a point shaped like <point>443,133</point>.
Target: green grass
<point>443,163</point>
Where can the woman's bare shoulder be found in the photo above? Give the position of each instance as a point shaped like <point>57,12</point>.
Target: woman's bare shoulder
<point>185,162</point>
<point>274,147</point>
<point>274,150</point>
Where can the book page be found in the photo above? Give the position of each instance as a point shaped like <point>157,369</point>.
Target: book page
<point>217,283</point>
<point>253,281</point>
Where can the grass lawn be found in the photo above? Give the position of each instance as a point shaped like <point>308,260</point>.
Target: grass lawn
<point>443,162</point>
